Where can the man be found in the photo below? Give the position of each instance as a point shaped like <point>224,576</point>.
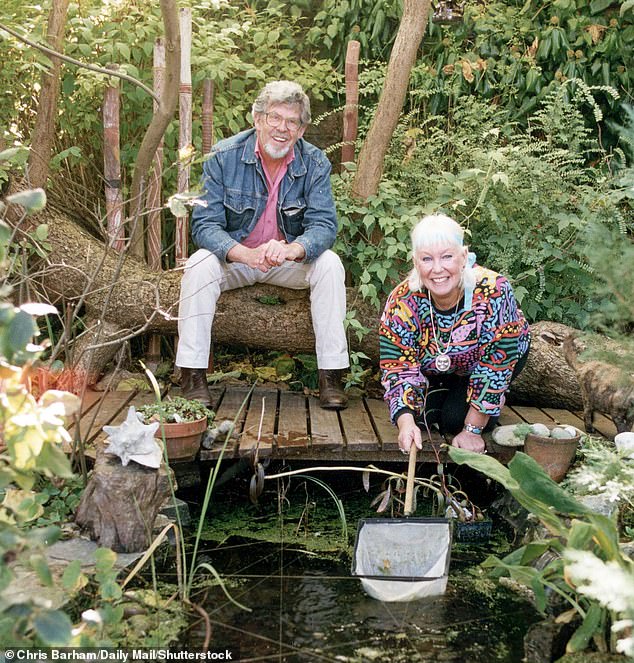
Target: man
<point>267,216</point>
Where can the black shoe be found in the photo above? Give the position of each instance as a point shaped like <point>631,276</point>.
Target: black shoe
<point>331,393</point>
<point>194,385</point>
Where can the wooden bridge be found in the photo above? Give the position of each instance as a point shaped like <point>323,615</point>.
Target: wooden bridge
<point>288,425</point>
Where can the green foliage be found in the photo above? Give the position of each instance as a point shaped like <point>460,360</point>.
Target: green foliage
<point>604,471</point>
<point>59,499</point>
<point>373,240</point>
<point>18,246</point>
<point>516,52</point>
<point>234,45</point>
<point>575,533</point>
<point>527,197</point>
<point>373,24</point>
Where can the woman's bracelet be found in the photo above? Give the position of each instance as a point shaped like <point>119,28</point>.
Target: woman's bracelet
<point>476,430</point>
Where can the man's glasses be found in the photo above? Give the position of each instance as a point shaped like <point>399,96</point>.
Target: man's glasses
<point>275,120</point>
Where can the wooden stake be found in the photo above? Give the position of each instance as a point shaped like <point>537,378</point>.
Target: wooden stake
<point>185,130</point>
<point>351,110</point>
<point>154,199</point>
<point>208,115</point>
<point>154,185</point>
<point>112,165</point>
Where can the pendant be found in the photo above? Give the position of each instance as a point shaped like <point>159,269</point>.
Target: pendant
<point>443,362</point>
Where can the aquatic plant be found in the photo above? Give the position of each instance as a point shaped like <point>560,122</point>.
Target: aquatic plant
<point>582,548</point>
<point>186,575</point>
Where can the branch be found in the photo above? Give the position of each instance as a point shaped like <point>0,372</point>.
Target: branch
<point>91,67</point>
<point>164,113</point>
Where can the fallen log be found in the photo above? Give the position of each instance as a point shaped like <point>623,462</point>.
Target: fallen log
<point>123,297</point>
<point>547,380</point>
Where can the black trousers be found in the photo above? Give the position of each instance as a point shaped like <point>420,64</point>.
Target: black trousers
<point>446,403</point>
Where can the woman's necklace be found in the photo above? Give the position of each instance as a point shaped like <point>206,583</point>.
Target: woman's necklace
<point>442,361</point>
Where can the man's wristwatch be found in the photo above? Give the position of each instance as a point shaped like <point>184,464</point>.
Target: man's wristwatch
<point>476,430</point>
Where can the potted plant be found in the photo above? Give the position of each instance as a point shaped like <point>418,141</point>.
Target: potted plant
<point>183,423</point>
<point>553,448</point>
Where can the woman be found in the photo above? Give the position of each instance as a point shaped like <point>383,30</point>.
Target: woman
<point>452,338</point>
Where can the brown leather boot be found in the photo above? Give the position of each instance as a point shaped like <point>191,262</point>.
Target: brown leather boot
<point>194,385</point>
<point>331,393</point>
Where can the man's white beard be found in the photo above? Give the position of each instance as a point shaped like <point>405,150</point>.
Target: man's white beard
<point>276,153</point>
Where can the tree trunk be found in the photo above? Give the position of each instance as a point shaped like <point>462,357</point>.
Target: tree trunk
<point>43,135</point>
<point>402,58</point>
<point>547,380</point>
<point>156,129</point>
<point>119,506</point>
<point>123,297</point>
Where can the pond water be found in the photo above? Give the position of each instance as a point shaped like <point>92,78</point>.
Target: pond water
<point>288,559</point>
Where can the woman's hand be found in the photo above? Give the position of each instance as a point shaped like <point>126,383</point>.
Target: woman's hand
<point>408,432</point>
<point>469,441</point>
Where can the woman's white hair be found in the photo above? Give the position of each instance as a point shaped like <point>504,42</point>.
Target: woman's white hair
<point>439,230</point>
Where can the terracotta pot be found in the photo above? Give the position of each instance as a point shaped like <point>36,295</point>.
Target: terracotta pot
<point>182,439</point>
<point>553,454</point>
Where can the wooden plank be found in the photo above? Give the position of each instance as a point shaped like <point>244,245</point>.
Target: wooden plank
<point>88,402</point>
<point>533,415</point>
<point>230,408</point>
<point>90,398</point>
<point>603,425</point>
<point>292,427</point>
<point>259,427</point>
<point>140,398</point>
<point>380,415</point>
<point>565,418</point>
<point>325,430</point>
<point>508,417</point>
<point>102,414</point>
<point>357,428</point>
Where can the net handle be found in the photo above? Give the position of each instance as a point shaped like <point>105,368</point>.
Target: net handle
<point>409,487</point>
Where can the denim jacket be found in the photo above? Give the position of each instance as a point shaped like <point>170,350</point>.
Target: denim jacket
<point>235,195</point>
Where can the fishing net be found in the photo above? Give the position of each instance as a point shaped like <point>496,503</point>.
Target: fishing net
<point>402,559</point>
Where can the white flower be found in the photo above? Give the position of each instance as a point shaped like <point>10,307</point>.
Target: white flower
<point>625,646</point>
<point>607,582</point>
<point>92,616</point>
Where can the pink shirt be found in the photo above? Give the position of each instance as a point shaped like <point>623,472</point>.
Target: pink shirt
<point>266,227</point>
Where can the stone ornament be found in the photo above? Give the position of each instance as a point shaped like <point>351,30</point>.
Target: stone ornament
<point>134,440</point>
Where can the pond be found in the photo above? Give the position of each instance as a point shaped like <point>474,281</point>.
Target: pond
<point>288,559</point>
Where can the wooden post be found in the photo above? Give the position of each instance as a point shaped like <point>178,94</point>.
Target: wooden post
<point>208,141</point>
<point>185,130</point>
<point>208,115</point>
<point>112,165</point>
<point>154,199</point>
<point>351,110</point>
<point>154,185</point>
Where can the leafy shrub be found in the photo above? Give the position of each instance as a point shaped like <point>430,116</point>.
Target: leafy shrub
<point>527,196</point>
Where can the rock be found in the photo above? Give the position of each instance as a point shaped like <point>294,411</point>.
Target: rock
<point>600,504</point>
<point>560,433</point>
<point>546,641</point>
<point>540,429</point>
<point>510,436</point>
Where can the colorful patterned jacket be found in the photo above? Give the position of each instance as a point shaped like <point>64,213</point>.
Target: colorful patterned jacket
<point>484,342</point>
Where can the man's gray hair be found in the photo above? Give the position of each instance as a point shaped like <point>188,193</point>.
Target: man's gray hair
<point>283,92</point>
